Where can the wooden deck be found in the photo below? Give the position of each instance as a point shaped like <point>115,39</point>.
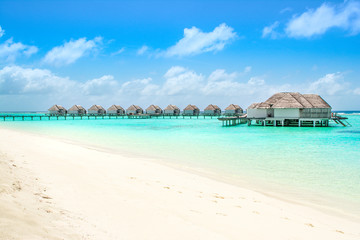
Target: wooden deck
<point>232,121</point>
<point>46,117</point>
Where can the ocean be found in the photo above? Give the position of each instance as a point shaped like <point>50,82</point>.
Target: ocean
<point>318,166</point>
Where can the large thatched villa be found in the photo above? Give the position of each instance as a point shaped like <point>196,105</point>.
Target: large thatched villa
<point>287,108</point>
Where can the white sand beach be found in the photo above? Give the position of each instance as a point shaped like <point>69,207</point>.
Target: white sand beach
<point>54,189</point>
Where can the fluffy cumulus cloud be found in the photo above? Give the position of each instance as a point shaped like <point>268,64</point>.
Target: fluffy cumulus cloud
<point>345,16</point>
<point>330,84</point>
<point>71,51</point>
<point>15,80</point>
<point>179,80</point>
<point>10,50</point>
<point>100,86</point>
<point>196,41</point>
<point>139,88</point>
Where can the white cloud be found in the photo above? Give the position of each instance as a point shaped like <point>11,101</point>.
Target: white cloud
<point>269,31</point>
<point>221,83</point>
<point>195,41</point>
<point>142,50</point>
<point>10,50</point>
<point>71,51</point>
<point>139,87</point>
<point>121,50</point>
<point>345,16</point>
<point>179,80</point>
<point>285,10</point>
<point>329,84</point>
<point>18,80</point>
<point>40,88</point>
<point>247,69</point>
<point>2,32</point>
<point>256,81</point>
<point>100,86</point>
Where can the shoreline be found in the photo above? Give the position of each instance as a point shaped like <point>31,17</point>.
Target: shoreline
<point>206,207</point>
<point>273,190</point>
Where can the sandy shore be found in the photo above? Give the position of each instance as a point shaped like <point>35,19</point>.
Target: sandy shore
<point>52,189</point>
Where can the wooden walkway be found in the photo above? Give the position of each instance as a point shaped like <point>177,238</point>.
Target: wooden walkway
<point>33,117</point>
<point>232,121</point>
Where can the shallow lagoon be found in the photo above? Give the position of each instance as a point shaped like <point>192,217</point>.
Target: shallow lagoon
<point>318,166</point>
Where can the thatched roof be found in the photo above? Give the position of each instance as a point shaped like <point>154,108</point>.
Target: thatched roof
<point>96,108</point>
<point>115,108</point>
<point>254,105</point>
<point>134,108</point>
<point>151,108</point>
<point>191,107</point>
<point>292,100</point>
<point>212,107</point>
<point>233,107</point>
<point>76,108</point>
<point>171,107</point>
<point>56,108</point>
<point>317,101</point>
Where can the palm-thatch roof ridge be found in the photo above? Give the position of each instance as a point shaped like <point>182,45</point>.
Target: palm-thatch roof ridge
<point>96,107</point>
<point>56,108</point>
<point>76,108</point>
<point>233,107</point>
<point>292,100</point>
<point>115,108</point>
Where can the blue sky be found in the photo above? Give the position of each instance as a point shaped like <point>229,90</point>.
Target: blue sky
<point>178,52</point>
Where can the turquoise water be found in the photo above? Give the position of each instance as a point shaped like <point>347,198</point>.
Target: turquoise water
<point>318,166</point>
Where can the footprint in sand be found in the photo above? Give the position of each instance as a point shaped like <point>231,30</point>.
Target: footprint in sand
<point>218,196</point>
<point>167,187</point>
<point>221,214</point>
<point>309,224</point>
<point>238,206</point>
<point>340,231</point>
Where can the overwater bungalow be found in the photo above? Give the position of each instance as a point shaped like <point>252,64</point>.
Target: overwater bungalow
<point>172,110</point>
<point>77,110</point>
<point>291,107</point>
<point>191,110</point>
<point>57,110</point>
<point>134,110</point>
<point>212,110</point>
<point>96,110</point>
<point>233,110</point>
<point>115,110</point>
<point>154,110</point>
